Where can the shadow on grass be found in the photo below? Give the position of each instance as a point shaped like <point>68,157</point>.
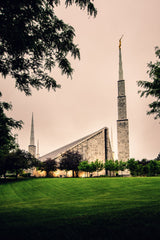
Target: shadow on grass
<point>132,224</point>
<point>13,180</point>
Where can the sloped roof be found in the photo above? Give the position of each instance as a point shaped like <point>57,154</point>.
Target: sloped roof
<point>60,151</point>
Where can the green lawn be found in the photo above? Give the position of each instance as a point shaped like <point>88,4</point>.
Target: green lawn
<point>85,208</point>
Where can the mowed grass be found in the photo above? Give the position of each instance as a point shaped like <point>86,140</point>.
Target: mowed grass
<point>84,208</point>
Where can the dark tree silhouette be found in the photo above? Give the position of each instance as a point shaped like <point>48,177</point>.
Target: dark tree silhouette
<point>33,40</point>
<point>48,166</point>
<point>70,161</point>
<point>7,139</point>
<point>18,160</point>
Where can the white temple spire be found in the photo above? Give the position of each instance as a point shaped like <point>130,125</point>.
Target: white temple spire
<point>32,147</point>
<point>120,61</point>
<point>32,132</point>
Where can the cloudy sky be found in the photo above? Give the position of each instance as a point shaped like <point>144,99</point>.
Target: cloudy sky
<point>88,102</point>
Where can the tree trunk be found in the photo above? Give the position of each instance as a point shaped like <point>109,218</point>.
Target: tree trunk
<point>73,173</point>
<point>4,174</point>
<point>76,174</point>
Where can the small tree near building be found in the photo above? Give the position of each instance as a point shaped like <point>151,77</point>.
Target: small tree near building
<point>48,166</point>
<point>122,166</point>
<point>132,165</point>
<point>92,168</point>
<point>70,161</point>
<point>99,166</point>
<point>85,167</point>
<point>110,166</point>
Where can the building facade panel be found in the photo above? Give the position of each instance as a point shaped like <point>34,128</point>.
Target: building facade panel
<point>123,140</point>
<point>96,146</point>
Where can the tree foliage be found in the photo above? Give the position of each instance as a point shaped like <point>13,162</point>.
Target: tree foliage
<point>70,161</point>
<point>110,166</point>
<point>7,139</point>
<point>91,167</point>
<point>114,166</point>
<point>158,157</point>
<point>98,166</point>
<point>152,87</point>
<point>33,40</point>
<point>143,167</point>
<point>48,165</point>
<point>85,167</point>
<point>16,161</point>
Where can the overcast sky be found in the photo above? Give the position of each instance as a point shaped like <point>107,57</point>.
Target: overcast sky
<point>88,102</point>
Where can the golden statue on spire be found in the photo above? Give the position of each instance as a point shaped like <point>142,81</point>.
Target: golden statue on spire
<point>120,41</point>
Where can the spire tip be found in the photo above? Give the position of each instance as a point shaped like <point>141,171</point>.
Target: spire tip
<point>120,41</point>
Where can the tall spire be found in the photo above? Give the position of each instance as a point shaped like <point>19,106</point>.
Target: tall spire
<point>32,132</point>
<point>32,147</point>
<point>120,61</point>
<point>122,122</point>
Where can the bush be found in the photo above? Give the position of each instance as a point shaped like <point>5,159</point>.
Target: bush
<point>26,174</point>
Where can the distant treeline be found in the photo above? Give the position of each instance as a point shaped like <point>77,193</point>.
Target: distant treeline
<point>19,161</point>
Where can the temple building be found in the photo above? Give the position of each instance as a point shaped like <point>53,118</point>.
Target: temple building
<point>96,145</point>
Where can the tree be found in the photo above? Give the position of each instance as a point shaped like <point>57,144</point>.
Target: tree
<point>98,166</point>
<point>132,165</point>
<point>48,166</point>
<point>110,166</point>
<point>122,166</point>
<point>7,139</point>
<point>158,157</point>
<point>85,167</point>
<point>143,167</point>
<point>116,166</point>
<point>33,41</point>
<point>18,160</point>
<point>91,168</point>
<point>70,161</point>
<point>152,87</point>
<point>154,167</point>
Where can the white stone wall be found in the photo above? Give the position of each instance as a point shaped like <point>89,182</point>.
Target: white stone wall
<point>123,140</point>
<point>97,146</point>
